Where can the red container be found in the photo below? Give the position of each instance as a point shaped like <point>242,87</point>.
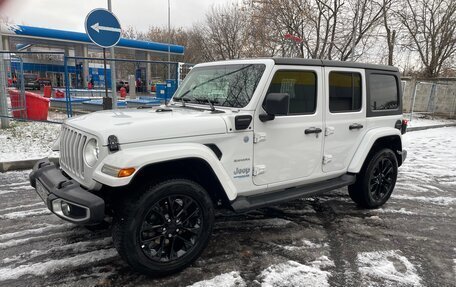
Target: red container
<point>36,106</point>
<point>123,92</point>
<point>59,94</point>
<point>47,91</point>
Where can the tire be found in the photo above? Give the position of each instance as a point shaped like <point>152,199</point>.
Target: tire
<point>166,228</point>
<point>376,181</point>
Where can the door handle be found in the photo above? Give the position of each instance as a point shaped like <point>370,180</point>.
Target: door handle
<point>355,126</point>
<point>312,130</point>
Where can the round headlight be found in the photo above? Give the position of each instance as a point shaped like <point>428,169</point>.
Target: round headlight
<point>91,152</point>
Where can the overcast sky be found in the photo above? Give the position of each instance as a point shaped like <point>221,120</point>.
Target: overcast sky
<point>140,14</point>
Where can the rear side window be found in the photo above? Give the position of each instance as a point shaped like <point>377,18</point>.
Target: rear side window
<point>344,92</point>
<point>383,92</point>
<point>302,88</point>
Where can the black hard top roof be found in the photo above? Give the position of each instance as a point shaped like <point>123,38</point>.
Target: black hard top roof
<point>330,63</point>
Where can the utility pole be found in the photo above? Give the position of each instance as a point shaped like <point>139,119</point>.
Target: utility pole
<point>4,121</point>
<point>113,70</point>
<point>169,40</point>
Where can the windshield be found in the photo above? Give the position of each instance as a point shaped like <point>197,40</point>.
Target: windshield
<point>227,85</point>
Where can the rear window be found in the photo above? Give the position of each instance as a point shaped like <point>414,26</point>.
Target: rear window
<point>383,92</point>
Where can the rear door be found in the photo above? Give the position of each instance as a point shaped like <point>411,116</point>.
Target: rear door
<point>345,114</point>
<point>282,150</point>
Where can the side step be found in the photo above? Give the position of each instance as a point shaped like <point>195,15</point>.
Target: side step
<point>244,203</point>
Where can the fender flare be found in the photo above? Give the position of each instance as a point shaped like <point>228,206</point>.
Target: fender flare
<point>366,144</point>
<point>139,157</point>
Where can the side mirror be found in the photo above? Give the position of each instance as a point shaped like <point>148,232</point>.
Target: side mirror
<point>275,104</point>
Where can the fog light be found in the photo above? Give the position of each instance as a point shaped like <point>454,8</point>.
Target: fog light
<point>66,209</point>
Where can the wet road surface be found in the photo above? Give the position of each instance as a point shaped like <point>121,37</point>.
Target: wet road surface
<point>324,241</point>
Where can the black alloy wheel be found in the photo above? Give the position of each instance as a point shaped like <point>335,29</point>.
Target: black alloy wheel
<point>171,228</point>
<point>376,180</point>
<point>165,228</point>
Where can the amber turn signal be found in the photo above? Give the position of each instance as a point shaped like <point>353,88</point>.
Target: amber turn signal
<point>124,172</point>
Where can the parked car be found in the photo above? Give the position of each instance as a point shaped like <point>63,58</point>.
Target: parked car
<point>240,135</point>
<point>44,82</point>
<point>30,81</point>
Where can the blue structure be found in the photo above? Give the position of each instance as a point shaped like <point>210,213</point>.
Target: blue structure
<point>78,37</point>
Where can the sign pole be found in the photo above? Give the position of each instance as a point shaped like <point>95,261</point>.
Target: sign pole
<point>113,70</point>
<point>103,29</point>
<point>106,102</point>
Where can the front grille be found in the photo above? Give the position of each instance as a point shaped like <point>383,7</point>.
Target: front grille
<point>71,151</point>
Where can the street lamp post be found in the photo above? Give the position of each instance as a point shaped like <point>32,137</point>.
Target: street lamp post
<point>169,40</point>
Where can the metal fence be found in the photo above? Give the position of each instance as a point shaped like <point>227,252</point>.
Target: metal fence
<point>50,86</point>
<point>431,97</point>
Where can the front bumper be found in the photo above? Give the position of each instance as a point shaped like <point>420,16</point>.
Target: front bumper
<point>65,197</point>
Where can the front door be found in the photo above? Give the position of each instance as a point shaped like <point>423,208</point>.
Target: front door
<point>345,116</point>
<point>283,150</point>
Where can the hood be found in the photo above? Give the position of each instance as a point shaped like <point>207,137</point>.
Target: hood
<point>135,125</point>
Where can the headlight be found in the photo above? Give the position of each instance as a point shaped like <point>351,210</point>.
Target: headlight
<point>91,152</point>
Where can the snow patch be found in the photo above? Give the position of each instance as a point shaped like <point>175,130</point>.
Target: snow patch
<point>17,183</point>
<point>22,241</point>
<point>391,268</point>
<point>78,247</point>
<point>439,200</point>
<point>40,230</point>
<point>232,279</point>
<point>301,245</point>
<point>27,213</point>
<point>23,206</point>
<point>396,211</point>
<point>292,273</point>
<point>51,266</point>
<point>28,140</point>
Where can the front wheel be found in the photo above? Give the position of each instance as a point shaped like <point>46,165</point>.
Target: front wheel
<point>376,181</point>
<point>166,229</point>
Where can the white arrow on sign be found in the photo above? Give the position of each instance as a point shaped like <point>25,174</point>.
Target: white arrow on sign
<point>97,28</point>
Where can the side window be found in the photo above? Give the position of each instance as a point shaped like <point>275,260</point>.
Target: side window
<point>344,92</point>
<point>302,88</point>
<point>383,92</point>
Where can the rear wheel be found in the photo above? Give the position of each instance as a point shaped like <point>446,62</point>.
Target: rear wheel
<point>166,229</point>
<point>376,181</point>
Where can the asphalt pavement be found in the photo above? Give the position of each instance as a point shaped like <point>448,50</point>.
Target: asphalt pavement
<point>322,241</point>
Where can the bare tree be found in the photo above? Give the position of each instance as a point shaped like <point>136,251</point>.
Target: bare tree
<point>431,26</point>
<point>390,33</point>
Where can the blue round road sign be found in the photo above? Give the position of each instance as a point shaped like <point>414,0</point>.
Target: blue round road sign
<point>103,28</point>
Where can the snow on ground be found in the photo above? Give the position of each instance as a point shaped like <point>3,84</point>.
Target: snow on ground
<point>388,268</point>
<point>232,279</point>
<point>431,158</point>
<point>292,273</point>
<point>27,140</point>
<point>423,119</point>
<point>42,268</point>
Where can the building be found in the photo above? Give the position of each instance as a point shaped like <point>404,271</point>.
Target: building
<point>47,47</point>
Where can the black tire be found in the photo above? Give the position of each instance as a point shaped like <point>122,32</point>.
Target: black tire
<point>165,229</point>
<point>376,181</point>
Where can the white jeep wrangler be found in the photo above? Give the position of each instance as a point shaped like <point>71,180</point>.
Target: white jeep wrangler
<point>237,134</point>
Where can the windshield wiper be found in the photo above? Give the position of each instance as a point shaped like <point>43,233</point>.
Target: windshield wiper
<point>210,102</point>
